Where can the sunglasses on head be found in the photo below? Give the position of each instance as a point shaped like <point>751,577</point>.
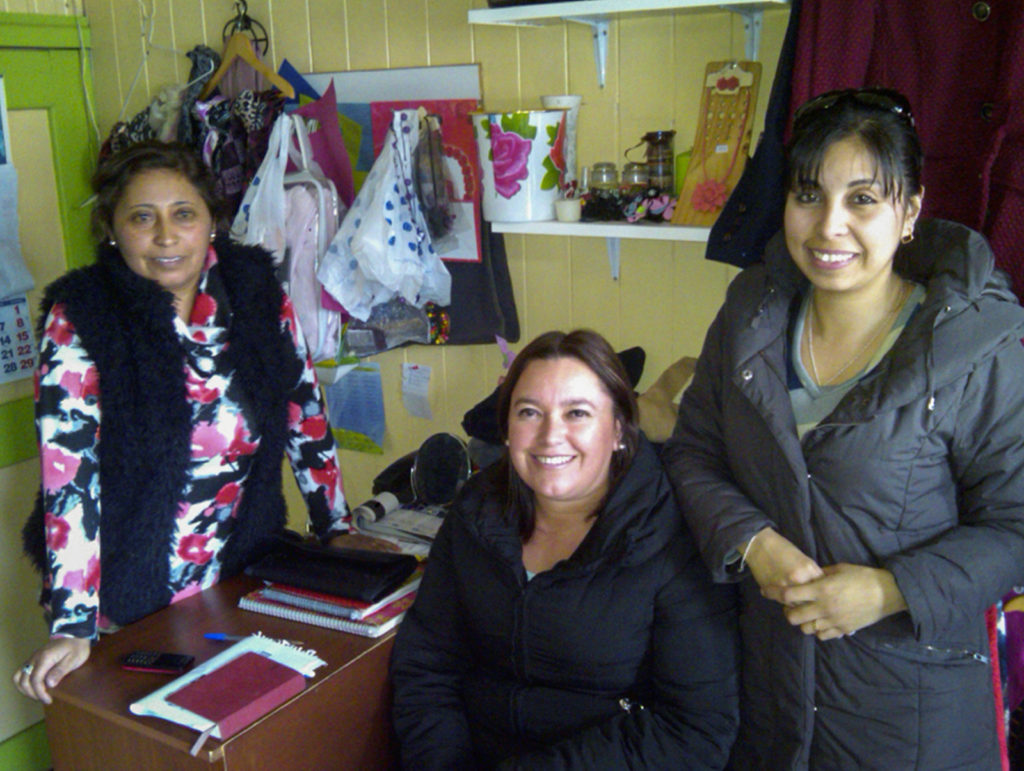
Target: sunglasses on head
<point>883,99</point>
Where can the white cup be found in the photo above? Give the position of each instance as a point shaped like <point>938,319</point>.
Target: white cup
<point>568,209</point>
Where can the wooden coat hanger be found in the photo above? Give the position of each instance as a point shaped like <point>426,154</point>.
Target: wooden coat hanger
<point>239,46</point>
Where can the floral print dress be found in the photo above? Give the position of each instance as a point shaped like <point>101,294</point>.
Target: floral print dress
<point>224,441</point>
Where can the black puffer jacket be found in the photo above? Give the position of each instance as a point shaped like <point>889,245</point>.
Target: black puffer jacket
<point>623,656</point>
<point>920,470</point>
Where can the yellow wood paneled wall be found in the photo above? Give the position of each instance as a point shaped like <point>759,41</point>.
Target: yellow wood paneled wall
<point>667,293</point>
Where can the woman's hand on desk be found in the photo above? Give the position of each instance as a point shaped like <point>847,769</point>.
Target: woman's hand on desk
<point>48,666</point>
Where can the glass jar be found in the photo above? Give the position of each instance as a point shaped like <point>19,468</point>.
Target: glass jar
<point>634,178</point>
<point>604,176</point>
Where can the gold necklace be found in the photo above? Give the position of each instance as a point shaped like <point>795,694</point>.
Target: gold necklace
<point>886,325</point>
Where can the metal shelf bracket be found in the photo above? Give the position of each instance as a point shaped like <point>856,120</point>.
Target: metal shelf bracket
<point>753,20</point>
<point>613,256</point>
<point>599,31</point>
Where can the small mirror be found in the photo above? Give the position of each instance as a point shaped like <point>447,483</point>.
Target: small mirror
<point>439,470</point>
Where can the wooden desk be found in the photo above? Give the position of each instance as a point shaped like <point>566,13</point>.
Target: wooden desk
<point>340,721</point>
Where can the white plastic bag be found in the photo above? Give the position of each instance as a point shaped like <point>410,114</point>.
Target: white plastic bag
<point>313,211</point>
<point>382,248</point>
<point>261,217</point>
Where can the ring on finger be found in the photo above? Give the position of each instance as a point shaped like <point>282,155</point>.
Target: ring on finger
<point>27,669</point>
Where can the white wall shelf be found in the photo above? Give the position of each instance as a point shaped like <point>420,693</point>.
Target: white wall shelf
<point>651,231</point>
<point>610,231</point>
<point>598,13</point>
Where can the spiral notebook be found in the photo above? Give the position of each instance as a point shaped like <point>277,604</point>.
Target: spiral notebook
<point>374,625</point>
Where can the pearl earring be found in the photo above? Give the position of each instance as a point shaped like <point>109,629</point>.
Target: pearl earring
<point>112,242</point>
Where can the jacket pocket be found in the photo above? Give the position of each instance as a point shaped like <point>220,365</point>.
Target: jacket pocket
<point>927,653</point>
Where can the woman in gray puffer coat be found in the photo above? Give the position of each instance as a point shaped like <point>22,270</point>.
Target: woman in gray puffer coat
<point>851,451</point>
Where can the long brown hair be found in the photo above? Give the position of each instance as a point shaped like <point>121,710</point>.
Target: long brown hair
<point>592,350</point>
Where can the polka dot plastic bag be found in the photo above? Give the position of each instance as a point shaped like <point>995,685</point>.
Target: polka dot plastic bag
<point>382,249</point>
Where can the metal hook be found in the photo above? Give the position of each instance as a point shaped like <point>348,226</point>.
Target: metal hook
<point>243,22</point>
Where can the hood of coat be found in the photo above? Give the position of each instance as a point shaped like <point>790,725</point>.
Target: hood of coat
<point>635,523</point>
<point>969,312</point>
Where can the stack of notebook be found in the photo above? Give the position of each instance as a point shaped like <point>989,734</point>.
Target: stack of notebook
<point>334,611</point>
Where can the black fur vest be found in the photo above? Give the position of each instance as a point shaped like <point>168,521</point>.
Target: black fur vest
<point>126,323</point>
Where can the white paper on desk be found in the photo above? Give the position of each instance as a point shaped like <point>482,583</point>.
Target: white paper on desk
<point>416,390</point>
<point>156,704</point>
<point>418,526</point>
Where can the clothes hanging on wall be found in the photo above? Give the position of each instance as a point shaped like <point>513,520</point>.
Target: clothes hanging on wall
<point>231,134</point>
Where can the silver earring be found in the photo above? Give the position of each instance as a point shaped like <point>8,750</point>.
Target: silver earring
<point>112,242</point>
<point>621,446</point>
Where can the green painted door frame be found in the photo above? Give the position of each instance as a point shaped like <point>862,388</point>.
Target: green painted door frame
<point>44,61</point>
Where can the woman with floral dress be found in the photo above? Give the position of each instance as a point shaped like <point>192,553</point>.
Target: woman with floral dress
<point>172,379</point>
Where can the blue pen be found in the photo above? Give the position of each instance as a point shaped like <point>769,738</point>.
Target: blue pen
<point>236,637</point>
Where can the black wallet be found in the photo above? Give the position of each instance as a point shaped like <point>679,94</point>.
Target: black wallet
<point>357,574</point>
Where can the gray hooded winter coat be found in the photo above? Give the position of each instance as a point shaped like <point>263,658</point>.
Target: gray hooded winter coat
<point>920,470</point>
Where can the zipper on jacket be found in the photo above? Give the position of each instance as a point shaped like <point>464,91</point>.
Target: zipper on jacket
<point>958,652</point>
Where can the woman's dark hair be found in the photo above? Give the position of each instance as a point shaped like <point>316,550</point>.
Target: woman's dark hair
<point>117,170</point>
<point>592,350</point>
<point>879,117</point>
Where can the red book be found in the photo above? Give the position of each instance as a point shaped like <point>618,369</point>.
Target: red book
<point>240,692</point>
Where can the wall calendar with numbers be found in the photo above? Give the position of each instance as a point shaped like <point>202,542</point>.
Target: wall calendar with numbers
<point>17,342</point>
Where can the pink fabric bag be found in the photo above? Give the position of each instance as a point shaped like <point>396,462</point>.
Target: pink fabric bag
<point>328,148</point>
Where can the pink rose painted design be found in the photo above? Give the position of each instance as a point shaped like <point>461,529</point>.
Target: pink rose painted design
<point>557,153</point>
<point>510,152</point>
